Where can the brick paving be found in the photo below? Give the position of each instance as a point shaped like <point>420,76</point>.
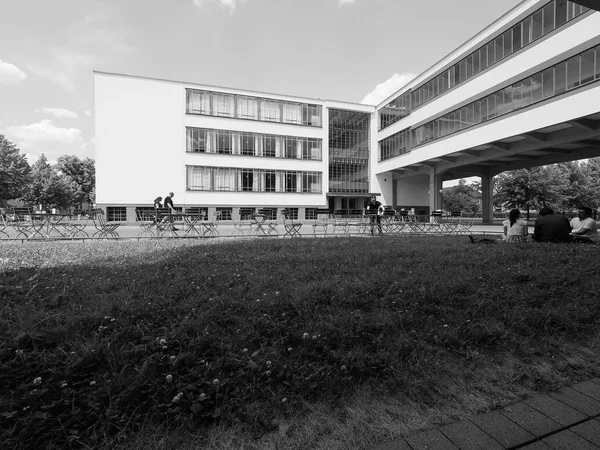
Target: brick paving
<point>567,419</point>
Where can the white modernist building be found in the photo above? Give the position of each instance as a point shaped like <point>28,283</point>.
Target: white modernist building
<point>523,92</point>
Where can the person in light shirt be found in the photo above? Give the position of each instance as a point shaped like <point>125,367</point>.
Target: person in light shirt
<point>515,229</point>
<point>584,228</point>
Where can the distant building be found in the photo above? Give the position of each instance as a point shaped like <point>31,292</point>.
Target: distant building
<point>523,92</point>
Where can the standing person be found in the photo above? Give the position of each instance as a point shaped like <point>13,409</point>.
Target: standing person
<point>515,229</point>
<point>375,210</point>
<point>584,227</point>
<point>551,228</point>
<point>169,204</point>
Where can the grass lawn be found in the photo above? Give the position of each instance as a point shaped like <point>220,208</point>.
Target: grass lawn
<point>282,344</point>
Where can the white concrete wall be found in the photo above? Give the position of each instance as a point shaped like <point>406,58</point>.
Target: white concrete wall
<point>141,146</point>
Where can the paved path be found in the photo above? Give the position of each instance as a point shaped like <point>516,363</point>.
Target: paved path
<point>568,419</point>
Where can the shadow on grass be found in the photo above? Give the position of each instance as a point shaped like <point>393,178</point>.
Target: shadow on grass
<point>101,340</point>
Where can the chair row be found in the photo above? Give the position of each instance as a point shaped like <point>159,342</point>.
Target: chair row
<point>26,224</point>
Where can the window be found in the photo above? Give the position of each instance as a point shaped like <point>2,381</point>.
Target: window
<point>311,115</point>
<point>476,62</point>
<point>225,179</point>
<point>224,142</point>
<point>587,66</point>
<point>492,109</point>
<point>269,180</point>
<point>484,109</point>
<point>291,146</point>
<point>537,29</point>
<point>311,182</point>
<point>290,181</point>
<point>573,72</point>
<point>469,66</point>
<point>507,43</point>
<point>548,12</point>
<point>561,12</point>
<point>526,98</point>
<point>270,110</point>
<point>247,108</point>
<point>292,113</point>
<point>116,214</point>
<point>223,105</point>
<point>517,39</point>
<point>198,102</point>
<point>270,145</point>
<point>247,143</point>
<point>484,57</point>
<point>560,78</point>
<point>499,47</point>
<point>196,140</point>
<point>247,179</point>
<point>598,62</point>
<point>311,148</point>
<point>527,31</point>
<point>508,100</point>
<point>199,178</point>
<point>536,87</point>
<point>548,83</point>
<point>491,51</point>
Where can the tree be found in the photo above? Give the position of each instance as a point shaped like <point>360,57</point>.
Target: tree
<point>14,171</point>
<point>460,198</point>
<point>535,187</point>
<point>82,176</point>
<point>47,187</point>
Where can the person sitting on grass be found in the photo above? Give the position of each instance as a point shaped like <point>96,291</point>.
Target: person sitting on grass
<point>551,228</point>
<point>515,229</point>
<point>584,228</point>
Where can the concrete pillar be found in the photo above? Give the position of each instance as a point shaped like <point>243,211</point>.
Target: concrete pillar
<point>435,187</point>
<point>394,192</point>
<point>487,198</point>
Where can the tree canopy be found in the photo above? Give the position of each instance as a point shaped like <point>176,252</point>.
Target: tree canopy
<point>14,171</point>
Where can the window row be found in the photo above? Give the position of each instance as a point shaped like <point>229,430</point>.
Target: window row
<point>546,19</point>
<point>201,178</point>
<point>394,110</point>
<point>252,108</point>
<point>202,140</point>
<point>564,76</point>
<point>394,145</point>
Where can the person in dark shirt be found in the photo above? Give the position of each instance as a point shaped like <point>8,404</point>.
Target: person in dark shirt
<point>169,204</point>
<point>375,211</point>
<point>551,228</point>
<point>157,202</point>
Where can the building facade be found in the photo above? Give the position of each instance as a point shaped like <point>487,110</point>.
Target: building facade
<point>525,91</point>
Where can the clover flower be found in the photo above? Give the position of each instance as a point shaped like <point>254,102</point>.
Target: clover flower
<point>269,363</point>
<point>305,336</point>
<point>216,381</point>
<point>37,381</point>
<point>289,349</point>
<point>64,385</point>
<point>284,399</point>
<point>177,397</point>
<point>202,397</point>
<point>19,352</point>
<point>173,358</point>
<point>92,383</point>
<point>163,342</point>
<point>169,378</point>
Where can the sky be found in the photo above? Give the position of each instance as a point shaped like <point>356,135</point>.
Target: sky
<point>348,50</point>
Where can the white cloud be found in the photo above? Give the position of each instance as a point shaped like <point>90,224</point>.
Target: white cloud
<point>88,113</point>
<point>387,88</point>
<point>59,113</point>
<point>11,74</point>
<point>45,137</point>
<point>345,2</point>
<point>225,4</point>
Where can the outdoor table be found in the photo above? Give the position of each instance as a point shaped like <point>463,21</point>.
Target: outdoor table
<point>48,221</point>
<point>258,220</point>
<point>192,222</point>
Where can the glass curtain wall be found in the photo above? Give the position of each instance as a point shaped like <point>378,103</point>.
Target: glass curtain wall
<point>349,148</point>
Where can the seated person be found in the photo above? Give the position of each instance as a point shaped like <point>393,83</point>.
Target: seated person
<point>551,228</point>
<point>584,227</point>
<point>158,202</point>
<point>515,229</point>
